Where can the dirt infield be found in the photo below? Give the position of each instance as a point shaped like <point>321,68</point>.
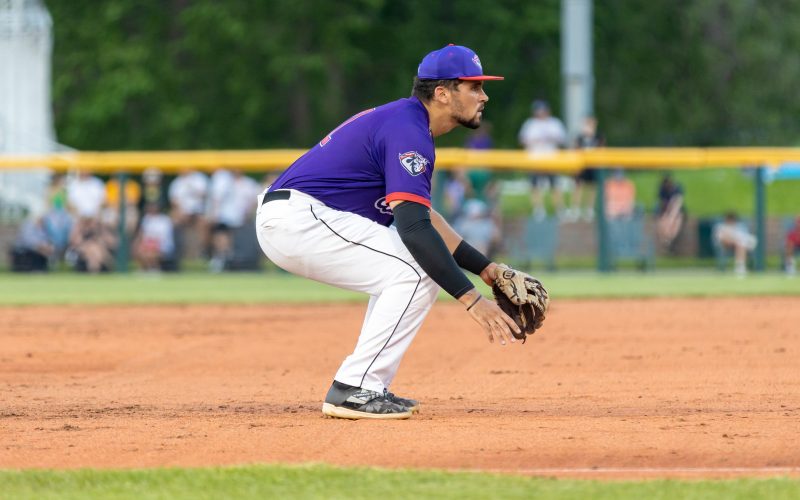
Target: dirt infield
<point>633,388</point>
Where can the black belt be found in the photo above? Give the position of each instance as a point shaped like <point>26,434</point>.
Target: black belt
<point>279,194</point>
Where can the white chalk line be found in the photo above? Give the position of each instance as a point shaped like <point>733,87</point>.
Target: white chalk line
<point>648,470</point>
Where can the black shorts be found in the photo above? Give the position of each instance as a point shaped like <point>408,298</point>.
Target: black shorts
<point>220,227</point>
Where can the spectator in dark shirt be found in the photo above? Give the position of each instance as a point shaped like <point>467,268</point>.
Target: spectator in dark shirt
<point>670,213</point>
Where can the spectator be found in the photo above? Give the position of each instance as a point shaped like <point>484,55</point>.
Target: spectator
<point>154,245</point>
<point>57,220</point>
<point>792,245</point>
<point>187,195</point>
<point>133,195</point>
<point>477,227</point>
<point>731,234</point>
<point>220,192</point>
<point>670,213</point>
<point>230,208</point>
<point>32,249</point>
<point>464,183</point>
<point>152,189</point>
<point>57,191</point>
<point>586,180</point>
<point>86,195</point>
<point>456,189</point>
<point>187,198</point>
<point>480,138</point>
<point>544,134</point>
<point>620,195</point>
<point>480,179</point>
<point>92,246</point>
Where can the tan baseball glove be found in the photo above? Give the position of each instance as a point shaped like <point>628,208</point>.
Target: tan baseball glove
<point>522,297</point>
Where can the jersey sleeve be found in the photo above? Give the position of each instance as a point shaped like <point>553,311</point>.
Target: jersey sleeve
<point>408,158</point>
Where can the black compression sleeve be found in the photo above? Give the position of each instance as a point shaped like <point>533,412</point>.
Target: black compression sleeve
<point>413,222</point>
<point>469,258</point>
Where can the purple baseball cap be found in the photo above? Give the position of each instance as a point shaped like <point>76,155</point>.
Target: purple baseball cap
<point>451,63</point>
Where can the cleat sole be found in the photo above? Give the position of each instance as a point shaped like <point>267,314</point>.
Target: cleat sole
<point>333,411</point>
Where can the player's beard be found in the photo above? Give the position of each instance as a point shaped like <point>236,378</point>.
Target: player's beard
<point>458,114</point>
<point>474,123</point>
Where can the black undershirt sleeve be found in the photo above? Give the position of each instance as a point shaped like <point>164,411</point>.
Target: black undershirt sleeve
<point>469,258</point>
<point>413,222</point>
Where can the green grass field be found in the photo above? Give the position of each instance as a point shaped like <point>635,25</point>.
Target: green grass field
<point>265,288</point>
<point>318,481</point>
<point>732,189</point>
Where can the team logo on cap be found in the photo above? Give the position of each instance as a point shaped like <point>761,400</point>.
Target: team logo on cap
<point>477,62</point>
<point>413,162</point>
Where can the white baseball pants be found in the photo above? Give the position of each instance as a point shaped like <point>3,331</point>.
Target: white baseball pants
<point>304,237</point>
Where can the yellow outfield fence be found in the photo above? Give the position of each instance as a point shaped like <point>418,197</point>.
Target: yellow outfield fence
<point>446,158</point>
<point>126,163</point>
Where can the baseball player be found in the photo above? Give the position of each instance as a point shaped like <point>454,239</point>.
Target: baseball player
<point>329,218</point>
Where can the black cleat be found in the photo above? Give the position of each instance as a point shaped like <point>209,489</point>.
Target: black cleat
<point>345,401</point>
<point>411,404</point>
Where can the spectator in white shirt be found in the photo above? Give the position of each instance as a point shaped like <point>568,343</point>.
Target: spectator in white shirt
<point>86,195</point>
<point>187,197</point>
<point>732,234</point>
<point>154,244</point>
<point>544,134</point>
<point>231,206</point>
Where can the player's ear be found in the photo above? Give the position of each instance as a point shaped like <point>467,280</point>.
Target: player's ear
<point>442,94</point>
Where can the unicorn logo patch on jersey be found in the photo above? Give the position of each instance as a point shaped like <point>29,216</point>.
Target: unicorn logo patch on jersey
<point>382,206</point>
<point>413,162</point>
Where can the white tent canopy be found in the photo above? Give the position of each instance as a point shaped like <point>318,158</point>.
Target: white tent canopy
<point>26,121</point>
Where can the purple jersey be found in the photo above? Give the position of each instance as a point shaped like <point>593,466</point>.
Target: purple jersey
<point>380,155</point>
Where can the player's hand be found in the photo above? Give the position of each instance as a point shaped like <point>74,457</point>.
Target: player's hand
<point>497,324</point>
<point>489,274</point>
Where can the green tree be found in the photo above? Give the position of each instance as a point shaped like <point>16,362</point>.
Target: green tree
<point>680,72</point>
<point>206,74</point>
<point>189,74</point>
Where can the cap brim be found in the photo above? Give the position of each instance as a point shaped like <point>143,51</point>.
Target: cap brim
<point>482,77</point>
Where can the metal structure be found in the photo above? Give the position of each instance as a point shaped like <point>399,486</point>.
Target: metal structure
<point>26,122</point>
<point>577,78</point>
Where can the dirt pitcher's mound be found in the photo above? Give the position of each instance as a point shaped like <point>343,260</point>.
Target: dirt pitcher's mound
<point>637,385</point>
